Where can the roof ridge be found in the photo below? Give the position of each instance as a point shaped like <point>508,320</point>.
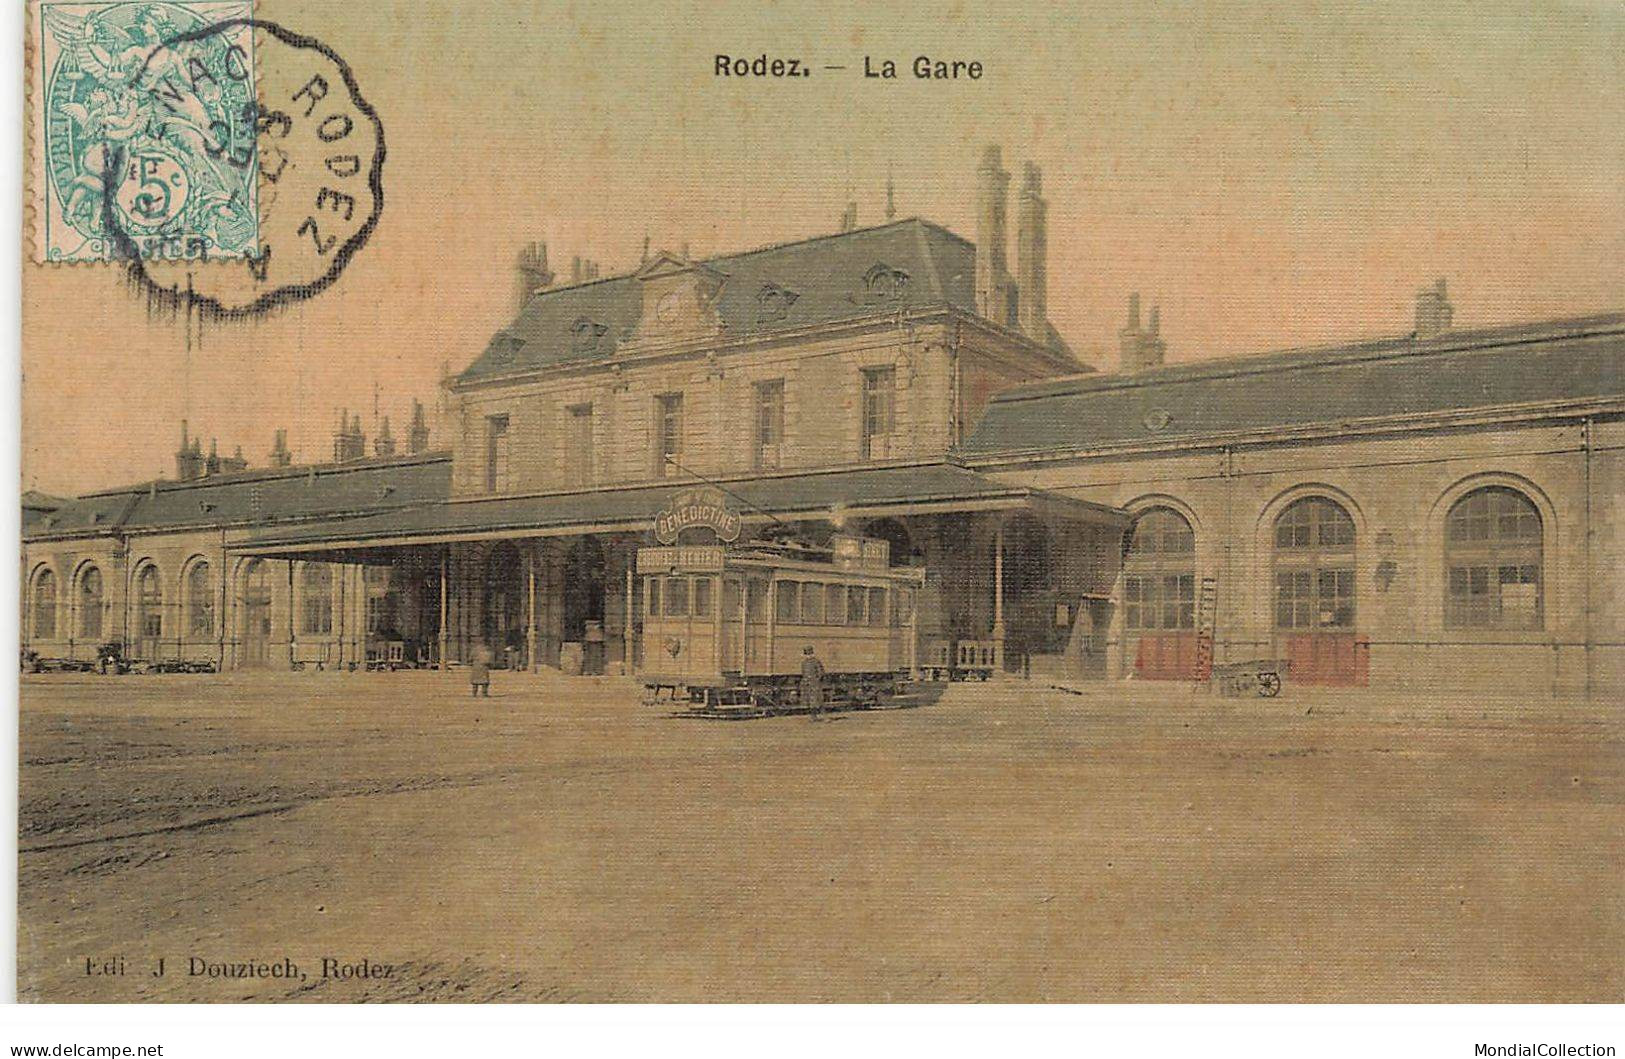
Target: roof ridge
<point>264,474</point>
<point>766,248</point>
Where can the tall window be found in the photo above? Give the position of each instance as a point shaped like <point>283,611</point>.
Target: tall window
<point>578,444</point>
<point>769,423</point>
<point>149,605</point>
<point>1159,572</point>
<point>496,454</point>
<point>879,412</point>
<point>668,432</point>
<point>1493,560</point>
<point>90,604</point>
<point>199,601</point>
<point>45,605</point>
<point>380,601</point>
<point>1314,567</point>
<point>317,599</point>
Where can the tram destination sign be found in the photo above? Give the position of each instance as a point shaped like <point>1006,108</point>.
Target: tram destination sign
<point>697,509</point>
<point>688,558</point>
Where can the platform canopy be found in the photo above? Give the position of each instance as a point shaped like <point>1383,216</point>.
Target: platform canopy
<point>897,491</point>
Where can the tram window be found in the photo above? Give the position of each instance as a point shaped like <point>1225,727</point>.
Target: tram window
<point>676,597</point>
<point>702,597</point>
<point>789,604</point>
<point>903,608</point>
<point>730,597</point>
<point>855,601</point>
<point>755,599</point>
<point>877,606</point>
<point>834,603</point>
<point>812,605</point>
<point>654,597</point>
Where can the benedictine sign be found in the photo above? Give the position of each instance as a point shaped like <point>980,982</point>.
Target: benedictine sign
<point>697,509</point>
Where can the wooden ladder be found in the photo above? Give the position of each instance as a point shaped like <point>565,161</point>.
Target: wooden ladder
<point>1207,602</point>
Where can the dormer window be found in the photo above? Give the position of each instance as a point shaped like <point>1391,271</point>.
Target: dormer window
<point>882,283</point>
<point>585,335</point>
<point>505,348</point>
<point>774,301</point>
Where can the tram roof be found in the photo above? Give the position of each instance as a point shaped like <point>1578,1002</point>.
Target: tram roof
<point>898,490</point>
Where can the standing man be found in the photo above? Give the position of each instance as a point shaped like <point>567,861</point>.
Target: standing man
<point>479,675</point>
<point>812,682</point>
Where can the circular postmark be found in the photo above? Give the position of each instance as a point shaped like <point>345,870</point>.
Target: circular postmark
<point>317,157</point>
<point>178,144</point>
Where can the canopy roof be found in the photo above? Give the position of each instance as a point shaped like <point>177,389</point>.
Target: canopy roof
<point>864,492</point>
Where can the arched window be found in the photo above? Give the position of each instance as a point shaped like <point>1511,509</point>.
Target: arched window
<point>90,603</point>
<point>45,605</point>
<point>1314,567</point>
<point>199,601</point>
<point>1159,572</point>
<point>317,599</point>
<point>1492,561</point>
<point>149,604</point>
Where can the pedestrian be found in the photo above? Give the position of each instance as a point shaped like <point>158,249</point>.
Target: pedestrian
<point>479,675</point>
<point>812,682</point>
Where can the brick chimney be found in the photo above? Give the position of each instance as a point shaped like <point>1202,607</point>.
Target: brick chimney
<point>1140,348</point>
<point>280,456</point>
<point>348,441</point>
<point>533,272</point>
<point>384,443</point>
<point>992,275</point>
<point>1031,249</point>
<point>417,436</point>
<point>189,457</point>
<point>1433,310</point>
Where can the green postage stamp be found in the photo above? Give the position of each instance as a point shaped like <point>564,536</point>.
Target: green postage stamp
<point>142,118</point>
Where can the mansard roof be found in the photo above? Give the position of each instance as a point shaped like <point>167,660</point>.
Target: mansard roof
<point>1330,387</point>
<point>825,274</point>
<point>268,496</point>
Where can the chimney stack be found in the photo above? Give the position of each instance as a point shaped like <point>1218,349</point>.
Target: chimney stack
<point>280,456</point>
<point>1433,310</point>
<point>189,457</point>
<point>1031,251</point>
<point>348,441</point>
<point>1139,348</point>
<point>384,444</point>
<point>533,273</point>
<point>417,437</point>
<point>992,275</point>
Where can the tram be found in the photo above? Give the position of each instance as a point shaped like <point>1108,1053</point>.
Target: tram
<point>726,626</point>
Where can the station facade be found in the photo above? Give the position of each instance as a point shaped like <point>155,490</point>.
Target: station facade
<point>1439,508</point>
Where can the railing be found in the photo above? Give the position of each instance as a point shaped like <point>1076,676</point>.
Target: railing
<point>976,654</point>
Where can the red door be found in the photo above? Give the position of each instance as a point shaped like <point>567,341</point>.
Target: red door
<point>1334,659</point>
<point>1166,655</point>
<point>1315,595</point>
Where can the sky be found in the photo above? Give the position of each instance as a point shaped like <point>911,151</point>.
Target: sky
<point>1271,175</point>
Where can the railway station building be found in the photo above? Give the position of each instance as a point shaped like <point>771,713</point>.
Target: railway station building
<point>1437,508</point>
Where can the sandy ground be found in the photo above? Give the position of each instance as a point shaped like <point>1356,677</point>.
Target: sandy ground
<point>562,842</point>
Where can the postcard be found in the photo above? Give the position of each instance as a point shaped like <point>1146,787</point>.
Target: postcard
<point>533,502</point>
